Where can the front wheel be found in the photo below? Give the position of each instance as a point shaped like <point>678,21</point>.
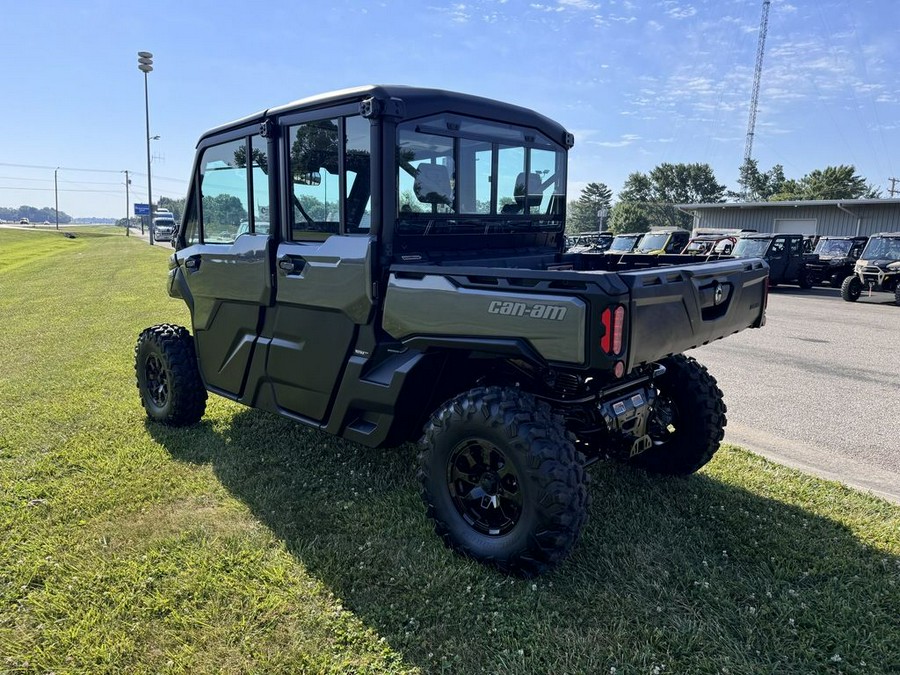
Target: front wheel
<point>688,419</point>
<point>502,481</point>
<point>851,289</point>
<point>168,380</point>
<point>804,281</point>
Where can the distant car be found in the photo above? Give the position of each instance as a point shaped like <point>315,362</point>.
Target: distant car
<point>24,221</point>
<point>163,228</point>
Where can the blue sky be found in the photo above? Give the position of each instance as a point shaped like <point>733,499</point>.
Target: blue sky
<point>638,83</point>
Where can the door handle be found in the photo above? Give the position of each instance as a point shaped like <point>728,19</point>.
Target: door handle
<point>290,264</point>
<point>193,262</point>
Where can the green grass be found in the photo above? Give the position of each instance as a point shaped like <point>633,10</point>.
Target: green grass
<point>251,544</point>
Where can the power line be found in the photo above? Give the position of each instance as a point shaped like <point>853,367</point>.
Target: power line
<point>69,168</point>
<point>35,189</point>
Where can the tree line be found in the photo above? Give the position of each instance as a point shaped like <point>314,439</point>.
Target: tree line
<point>34,214</point>
<point>648,199</point>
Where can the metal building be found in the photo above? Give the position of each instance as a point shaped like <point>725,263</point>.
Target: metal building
<point>824,217</point>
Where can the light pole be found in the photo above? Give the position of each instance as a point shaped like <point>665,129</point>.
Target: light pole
<point>127,203</point>
<point>56,195</point>
<point>601,214</point>
<point>145,65</point>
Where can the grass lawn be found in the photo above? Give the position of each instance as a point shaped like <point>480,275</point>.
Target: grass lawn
<point>247,543</point>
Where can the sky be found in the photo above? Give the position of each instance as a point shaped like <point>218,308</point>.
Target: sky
<point>637,83</point>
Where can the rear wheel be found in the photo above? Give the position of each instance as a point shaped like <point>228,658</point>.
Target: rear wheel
<point>688,419</point>
<point>851,289</point>
<point>165,365</point>
<point>502,481</point>
<point>804,281</point>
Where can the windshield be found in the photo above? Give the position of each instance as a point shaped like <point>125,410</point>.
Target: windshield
<point>461,175</point>
<point>624,242</point>
<point>652,242</point>
<point>751,248</point>
<point>883,248</point>
<point>833,248</point>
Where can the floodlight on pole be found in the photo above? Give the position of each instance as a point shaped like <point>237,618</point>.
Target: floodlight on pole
<point>145,65</point>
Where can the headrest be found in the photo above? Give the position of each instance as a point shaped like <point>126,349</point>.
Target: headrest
<point>432,184</point>
<point>533,191</point>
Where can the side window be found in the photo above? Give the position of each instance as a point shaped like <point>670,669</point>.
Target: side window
<point>426,173</point>
<point>223,189</point>
<point>191,223</point>
<point>795,246</point>
<point>777,246</point>
<point>259,174</point>
<point>511,186</point>
<point>315,186</point>
<point>546,193</point>
<point>358,175</point>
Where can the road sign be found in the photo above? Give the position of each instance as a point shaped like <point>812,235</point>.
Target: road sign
<point>142,209</point>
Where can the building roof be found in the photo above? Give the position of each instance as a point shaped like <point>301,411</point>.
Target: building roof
<point>794,204</point>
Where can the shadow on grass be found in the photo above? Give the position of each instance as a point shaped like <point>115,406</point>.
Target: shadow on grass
<point>684,575</point>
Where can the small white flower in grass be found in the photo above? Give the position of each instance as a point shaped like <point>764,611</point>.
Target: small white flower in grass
<point>612,670</point>
<point>534,587</point>
<point>836,658</point>
<point>791,622</point>
<point>521,652</point>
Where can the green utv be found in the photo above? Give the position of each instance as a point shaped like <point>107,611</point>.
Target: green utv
<point>387,264</point>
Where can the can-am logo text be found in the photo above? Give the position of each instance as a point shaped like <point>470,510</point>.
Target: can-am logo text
<point>532,310</point>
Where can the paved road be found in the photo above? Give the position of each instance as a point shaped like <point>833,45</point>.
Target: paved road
<point>818,388</point>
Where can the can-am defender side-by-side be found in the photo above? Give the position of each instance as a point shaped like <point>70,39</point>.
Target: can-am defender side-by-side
<point>833,259</point>
<point>386,264</point>
<point>878,268</point>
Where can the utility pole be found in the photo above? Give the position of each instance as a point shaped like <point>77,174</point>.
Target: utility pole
<point>127,203</point>
<point>893,189</point>
<point>56,195</point>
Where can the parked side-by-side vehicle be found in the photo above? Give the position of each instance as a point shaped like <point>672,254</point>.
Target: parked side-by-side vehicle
<point>387,264</point>
<point>878,268</point>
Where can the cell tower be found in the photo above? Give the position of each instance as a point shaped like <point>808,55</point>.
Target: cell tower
<point>754,97</point>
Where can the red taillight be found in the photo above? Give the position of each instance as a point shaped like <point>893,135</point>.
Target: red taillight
<point>613,321</point>
<point>606,320</point>
<point>618,327</point>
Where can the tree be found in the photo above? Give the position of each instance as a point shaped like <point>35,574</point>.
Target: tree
<point>832,182</point>
<point>757,186</point>
<point>629,217</point>
<point>175,206</point>
<point>223,209</point>
<point>669,184</point>
<point>583,215</point>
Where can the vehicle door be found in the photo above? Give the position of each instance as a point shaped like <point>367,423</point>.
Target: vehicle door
<point>323,275</point>
<point>776,256</point>
<point>225,255</point>
<point>794,258</point>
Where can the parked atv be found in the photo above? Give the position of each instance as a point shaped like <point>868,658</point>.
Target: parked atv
<point>833,259</point>
<point>410,309</point>
<point>783,252</point>
<point>878,268</point>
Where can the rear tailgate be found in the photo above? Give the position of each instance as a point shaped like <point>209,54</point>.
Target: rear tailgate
<point>673,309</point>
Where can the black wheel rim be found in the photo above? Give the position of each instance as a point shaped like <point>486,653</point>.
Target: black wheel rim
<point>485,487</point>
<point>157,381</point>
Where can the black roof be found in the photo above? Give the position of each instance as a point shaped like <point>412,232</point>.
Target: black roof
<point>415,102</point>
